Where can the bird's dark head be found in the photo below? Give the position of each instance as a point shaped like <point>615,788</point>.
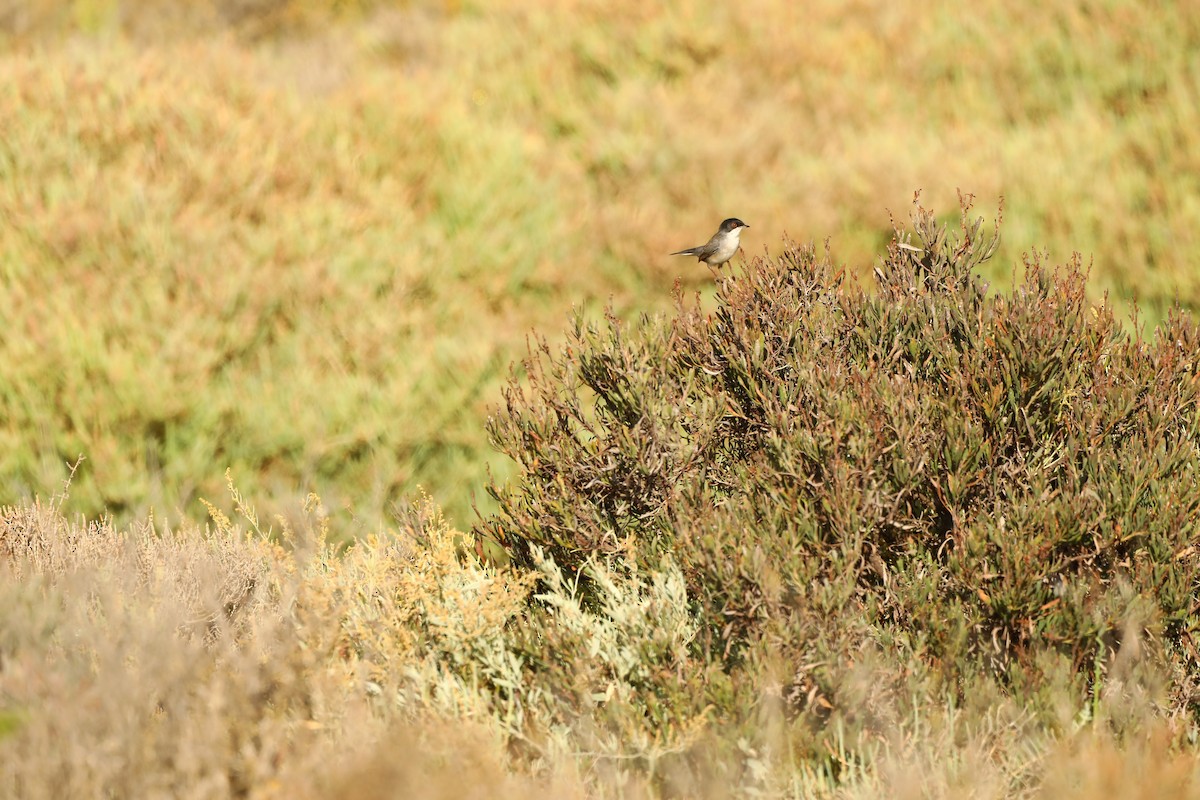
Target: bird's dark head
<point>732,224</point>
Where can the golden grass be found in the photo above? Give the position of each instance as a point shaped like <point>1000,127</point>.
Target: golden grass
<point>215,664</point>
<point>304,240</point>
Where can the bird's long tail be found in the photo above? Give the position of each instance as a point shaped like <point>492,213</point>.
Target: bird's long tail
<point>691,251</point>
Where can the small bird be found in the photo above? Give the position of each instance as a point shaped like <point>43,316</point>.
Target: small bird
<point>721,247</point>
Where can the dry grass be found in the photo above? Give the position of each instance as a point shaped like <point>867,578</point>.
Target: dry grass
<point>191,664</point>
<point>195,663</point>
<point>309,250</point>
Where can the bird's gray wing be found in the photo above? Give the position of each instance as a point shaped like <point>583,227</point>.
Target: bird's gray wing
<point>702,252</point>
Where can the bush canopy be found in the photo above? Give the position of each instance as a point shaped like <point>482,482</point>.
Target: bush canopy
<point>979,491</point>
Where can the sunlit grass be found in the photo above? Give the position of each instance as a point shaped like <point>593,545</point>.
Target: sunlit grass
<point>306,240</point>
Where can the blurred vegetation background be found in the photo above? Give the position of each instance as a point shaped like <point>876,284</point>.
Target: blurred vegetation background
<point>304,241</point>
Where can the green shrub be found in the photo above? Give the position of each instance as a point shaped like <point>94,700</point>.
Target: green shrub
<point>978,491</point>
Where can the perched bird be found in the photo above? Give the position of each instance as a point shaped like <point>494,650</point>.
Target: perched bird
<point>721,247</point>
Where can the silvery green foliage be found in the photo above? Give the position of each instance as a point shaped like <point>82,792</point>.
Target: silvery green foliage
<point>641,620</point>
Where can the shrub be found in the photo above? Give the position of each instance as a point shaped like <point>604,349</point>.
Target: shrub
<point>195,663</point>
<point>972,490</point>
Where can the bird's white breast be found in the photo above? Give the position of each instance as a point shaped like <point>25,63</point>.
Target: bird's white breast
<point>727,246</point>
